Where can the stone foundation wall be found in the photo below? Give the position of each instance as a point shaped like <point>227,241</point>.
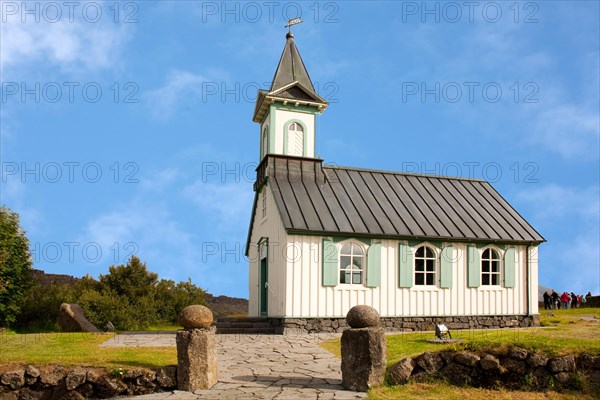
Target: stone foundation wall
<point>406,324</point>
<point>55,382</point>
<point>514,369</point>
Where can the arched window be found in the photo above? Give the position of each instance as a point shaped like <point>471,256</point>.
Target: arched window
<point>490,267</point>
<point>295,139</point>
<point>265,142</point>
<point>425,268</point>
<point>352,264</point>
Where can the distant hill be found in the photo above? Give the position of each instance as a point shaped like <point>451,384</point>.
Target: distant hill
<point>221,306</point>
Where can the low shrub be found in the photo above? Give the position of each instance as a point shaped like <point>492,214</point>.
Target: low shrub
<point>129,296</point>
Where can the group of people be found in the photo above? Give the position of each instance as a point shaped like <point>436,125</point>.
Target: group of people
<point>556,301</point>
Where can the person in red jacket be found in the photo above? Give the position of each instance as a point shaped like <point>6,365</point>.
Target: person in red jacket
<point>564,299</point>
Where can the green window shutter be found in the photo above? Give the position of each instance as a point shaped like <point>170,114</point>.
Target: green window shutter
<point>446,268</point>
<point>473,267</point>
<point>330,263</point>
<point>374,265</point>
<point>509,268</point>
<point>405,266</point>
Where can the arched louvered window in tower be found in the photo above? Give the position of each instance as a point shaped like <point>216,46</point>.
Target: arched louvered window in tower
<point>295,138</point>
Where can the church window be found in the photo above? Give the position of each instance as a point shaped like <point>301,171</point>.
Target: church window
<point>264,202</point>
<point>425,266</point>
<point>352,263</point>
<point>295,138</point>
<point>490,267</point>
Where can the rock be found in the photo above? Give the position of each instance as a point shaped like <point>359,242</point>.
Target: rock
<point>364,358</point>
<point>538,379</point>
<point>87,390</point>
<point>15,378</point>
<point>362,317</point>
<point>467,359</point>
<point>131,374</point>
<point>95,375</point>
<point>196,359</point>
<point>518,353</point>
<point>195,317</point>
<point>8,395</point>
<point>400,372</point>
<point>489,363</point>
<point>32,371</point>
<point>588,361</point>
<point>51,375</point>
<point>146,376</point>
<point>72,319</point>
<point>75,378</point>
<point>109,387</point>
<point>64,394</point>
<point>457,374</point>
<point>167,377</point>
<point>562,364</point>
<point>564,377</point>
<point>514,365</point>
<point>537,360</point>
<point>28,393</point>
<point>430,362</point>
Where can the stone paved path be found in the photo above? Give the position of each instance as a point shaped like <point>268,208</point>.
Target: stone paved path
<point>279,367</point>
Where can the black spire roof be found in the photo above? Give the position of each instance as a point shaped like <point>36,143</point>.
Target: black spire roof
<point>291,68</point>
<point>291,83</point>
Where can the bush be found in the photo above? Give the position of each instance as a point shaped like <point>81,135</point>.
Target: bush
<point>129,296</point>
<point>40,307</point>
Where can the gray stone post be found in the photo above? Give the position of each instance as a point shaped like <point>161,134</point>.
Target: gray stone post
<point>196,349</point>
<point>364,349</point>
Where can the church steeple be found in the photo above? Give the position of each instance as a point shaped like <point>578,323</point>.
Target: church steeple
<point>291,68</point>
<point>287,111</point>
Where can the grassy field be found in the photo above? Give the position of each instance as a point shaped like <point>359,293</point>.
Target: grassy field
<point>562,331</point>
<point>566,331</point>
<point>78,349</point>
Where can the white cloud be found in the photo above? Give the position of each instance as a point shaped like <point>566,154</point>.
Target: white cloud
<point>164,100</point>
<point>230,200</point>
<point>159,180</point>
<point>554,202</point>
<point>569,130</point>
<point>73,47</point>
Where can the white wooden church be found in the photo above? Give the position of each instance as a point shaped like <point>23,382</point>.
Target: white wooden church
<point>418,248</point>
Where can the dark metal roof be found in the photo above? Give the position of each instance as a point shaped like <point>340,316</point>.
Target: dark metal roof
<point>291,68</point>
<point>316,199</point>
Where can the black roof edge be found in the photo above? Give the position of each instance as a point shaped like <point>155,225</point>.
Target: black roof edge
<point>424,238</point>
<point>251,224</point>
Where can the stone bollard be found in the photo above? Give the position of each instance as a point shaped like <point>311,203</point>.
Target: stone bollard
<point>364,348</point>
<point>196,349</point>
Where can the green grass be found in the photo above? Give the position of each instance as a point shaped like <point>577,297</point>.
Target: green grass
<point>78,349</point>
<point>562,332</point>
<point>435,391</point>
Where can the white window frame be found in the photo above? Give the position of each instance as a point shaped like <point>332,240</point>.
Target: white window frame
<point>436,266</point>
<point>362,269</point>
<point>489,273</point>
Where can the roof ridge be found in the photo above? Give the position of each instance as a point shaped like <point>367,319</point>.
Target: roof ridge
<point>460,178</point>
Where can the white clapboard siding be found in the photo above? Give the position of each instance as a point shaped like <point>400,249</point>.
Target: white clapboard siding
<point>306,297</point>
<point>270,227</point>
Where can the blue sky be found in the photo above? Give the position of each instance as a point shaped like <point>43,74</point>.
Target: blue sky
<point>126,127</point>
